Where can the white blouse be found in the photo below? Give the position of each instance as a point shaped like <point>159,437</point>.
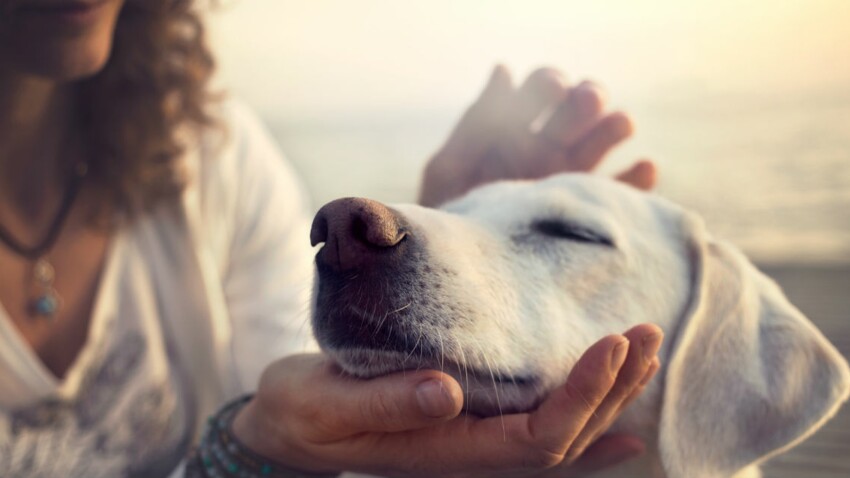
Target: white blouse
<point>195,300</point>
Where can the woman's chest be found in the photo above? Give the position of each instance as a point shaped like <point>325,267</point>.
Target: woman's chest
<point>66,282</point>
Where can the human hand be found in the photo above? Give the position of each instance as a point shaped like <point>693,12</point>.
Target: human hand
<point>309,416</point>
<point>495,138</point>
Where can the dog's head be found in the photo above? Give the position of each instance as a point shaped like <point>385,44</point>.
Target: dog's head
<point>506,287</point>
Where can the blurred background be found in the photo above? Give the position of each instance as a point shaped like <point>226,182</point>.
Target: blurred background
<point>744,105</point>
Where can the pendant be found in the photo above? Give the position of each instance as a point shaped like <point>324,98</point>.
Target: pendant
<point>47,301</point>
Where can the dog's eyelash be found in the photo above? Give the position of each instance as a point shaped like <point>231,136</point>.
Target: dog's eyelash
<point>574,232</point>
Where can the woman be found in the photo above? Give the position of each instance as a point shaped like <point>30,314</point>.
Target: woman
<point>154,260</point>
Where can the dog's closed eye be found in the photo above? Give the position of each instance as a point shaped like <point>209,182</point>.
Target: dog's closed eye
<point>561,229</point>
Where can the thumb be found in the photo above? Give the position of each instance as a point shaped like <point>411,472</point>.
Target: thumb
<point>398,402</point>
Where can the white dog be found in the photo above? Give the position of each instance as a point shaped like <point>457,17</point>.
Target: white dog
<point>506,287</point>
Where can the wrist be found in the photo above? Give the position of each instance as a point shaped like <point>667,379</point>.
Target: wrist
<point>254,432</point>
<point>256,449</point>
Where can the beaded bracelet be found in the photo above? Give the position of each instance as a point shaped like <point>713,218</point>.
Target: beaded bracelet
<point>220,454</point>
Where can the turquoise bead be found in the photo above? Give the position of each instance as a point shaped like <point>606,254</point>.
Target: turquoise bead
<point>45,305</point>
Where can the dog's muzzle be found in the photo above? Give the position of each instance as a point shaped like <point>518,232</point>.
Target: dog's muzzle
<point>367,273</point>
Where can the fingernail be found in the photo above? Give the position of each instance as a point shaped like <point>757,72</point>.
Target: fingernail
<point>653,367</point>
<point>651,344</point>
<point>618,356</point>
<point>433,398</point>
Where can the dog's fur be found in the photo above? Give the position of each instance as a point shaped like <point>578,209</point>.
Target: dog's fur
<point>506,287</point>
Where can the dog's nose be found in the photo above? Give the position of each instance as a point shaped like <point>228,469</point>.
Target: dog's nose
<point>355,231</point>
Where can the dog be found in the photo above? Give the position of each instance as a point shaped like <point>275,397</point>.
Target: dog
<point>506,287</point>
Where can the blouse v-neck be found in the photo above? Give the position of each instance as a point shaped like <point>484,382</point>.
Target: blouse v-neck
<point>26,373</point>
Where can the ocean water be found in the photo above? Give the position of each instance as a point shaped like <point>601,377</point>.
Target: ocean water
<point>771,174</point>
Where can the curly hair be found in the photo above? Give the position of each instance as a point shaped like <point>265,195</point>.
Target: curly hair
<point>138,108</point>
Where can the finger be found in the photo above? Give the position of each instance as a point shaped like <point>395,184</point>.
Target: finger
<point>653,369</point>
<point>541,90</point>
<point>469,136</point>
<point>573,118</point>
<point>645,341</point>
<point>642,175</point>
<point>392,403</point>
<point>564,414</point>
<point>606,452</point>
<point>497,83</point>
<point>496,97</point>
<point>607,133</point>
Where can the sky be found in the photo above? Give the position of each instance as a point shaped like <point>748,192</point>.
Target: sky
<point>323,57</point>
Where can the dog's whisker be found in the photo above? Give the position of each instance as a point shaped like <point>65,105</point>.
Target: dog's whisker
<point>406,342</point>
<point>386,315</point>
<point>372,316</point>
<point>421,352</point>
<point>465,372</point>
<point>442,354</point>
<point>498,400</point>
<point>400,308</point>
<point>483,356</point>
<point>418,340</point>
<point>389,335</point>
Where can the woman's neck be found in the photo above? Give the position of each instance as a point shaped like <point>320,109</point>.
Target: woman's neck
<point>36,126</point>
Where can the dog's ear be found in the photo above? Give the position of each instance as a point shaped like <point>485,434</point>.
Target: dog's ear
<point>749,375</point>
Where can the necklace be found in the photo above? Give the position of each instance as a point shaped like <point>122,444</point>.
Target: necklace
<point>46,301</point>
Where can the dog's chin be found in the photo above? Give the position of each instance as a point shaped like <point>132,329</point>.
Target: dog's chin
<point>485,392</point>
<point>369,363</point>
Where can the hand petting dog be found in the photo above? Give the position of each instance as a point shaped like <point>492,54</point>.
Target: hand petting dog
<point>498,137</point>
